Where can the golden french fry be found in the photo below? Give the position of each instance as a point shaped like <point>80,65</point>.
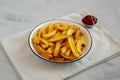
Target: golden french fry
<point>43,30</point>
<point>70,31</point>
<point>50,27</point>
<point>44,53</point>
<point>41,51</point>
<point>78,46</point>
<point>50,50</point>
<point>44,46</point>
<point>61,27</point>
<point>64,33</point>
<point>74,28</point>
<point>57,34</point>
<point>78,37</point>
<point>50,34</point>
<point>65,27</point>
<point>63,49</point>
<point>67,52</point>
<point>46,42</point>
<point>71,56</point>
<point>72,46</point>
<point>63,55</point>
<point>77,33</point>
<point>36,47</point>
<point>39,33</point>
<point>57,38</point>
<point>36,40</point>
<point>57,48</point>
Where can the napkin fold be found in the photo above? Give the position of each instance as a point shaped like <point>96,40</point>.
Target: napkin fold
<point>30,67</point>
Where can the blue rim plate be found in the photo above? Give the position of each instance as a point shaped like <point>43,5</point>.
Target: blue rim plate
<point>33,32</point>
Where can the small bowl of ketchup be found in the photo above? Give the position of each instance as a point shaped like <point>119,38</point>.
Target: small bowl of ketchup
<point>89,20</point>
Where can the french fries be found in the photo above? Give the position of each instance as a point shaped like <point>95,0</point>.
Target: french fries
<point>72,46</point>
<point>59,42</point>
<point>50,34</point>
<point>61,27</point>
<point>57,48</point>
<point>57,38</point>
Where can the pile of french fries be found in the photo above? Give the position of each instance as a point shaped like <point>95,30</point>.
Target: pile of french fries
<point>59,42</point>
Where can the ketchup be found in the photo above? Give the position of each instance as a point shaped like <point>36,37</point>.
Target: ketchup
<point>89,20</point>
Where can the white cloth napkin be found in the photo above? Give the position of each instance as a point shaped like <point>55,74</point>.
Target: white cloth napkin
<point>30,67</point>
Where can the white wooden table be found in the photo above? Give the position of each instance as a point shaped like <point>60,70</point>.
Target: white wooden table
<point>18,15</point>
